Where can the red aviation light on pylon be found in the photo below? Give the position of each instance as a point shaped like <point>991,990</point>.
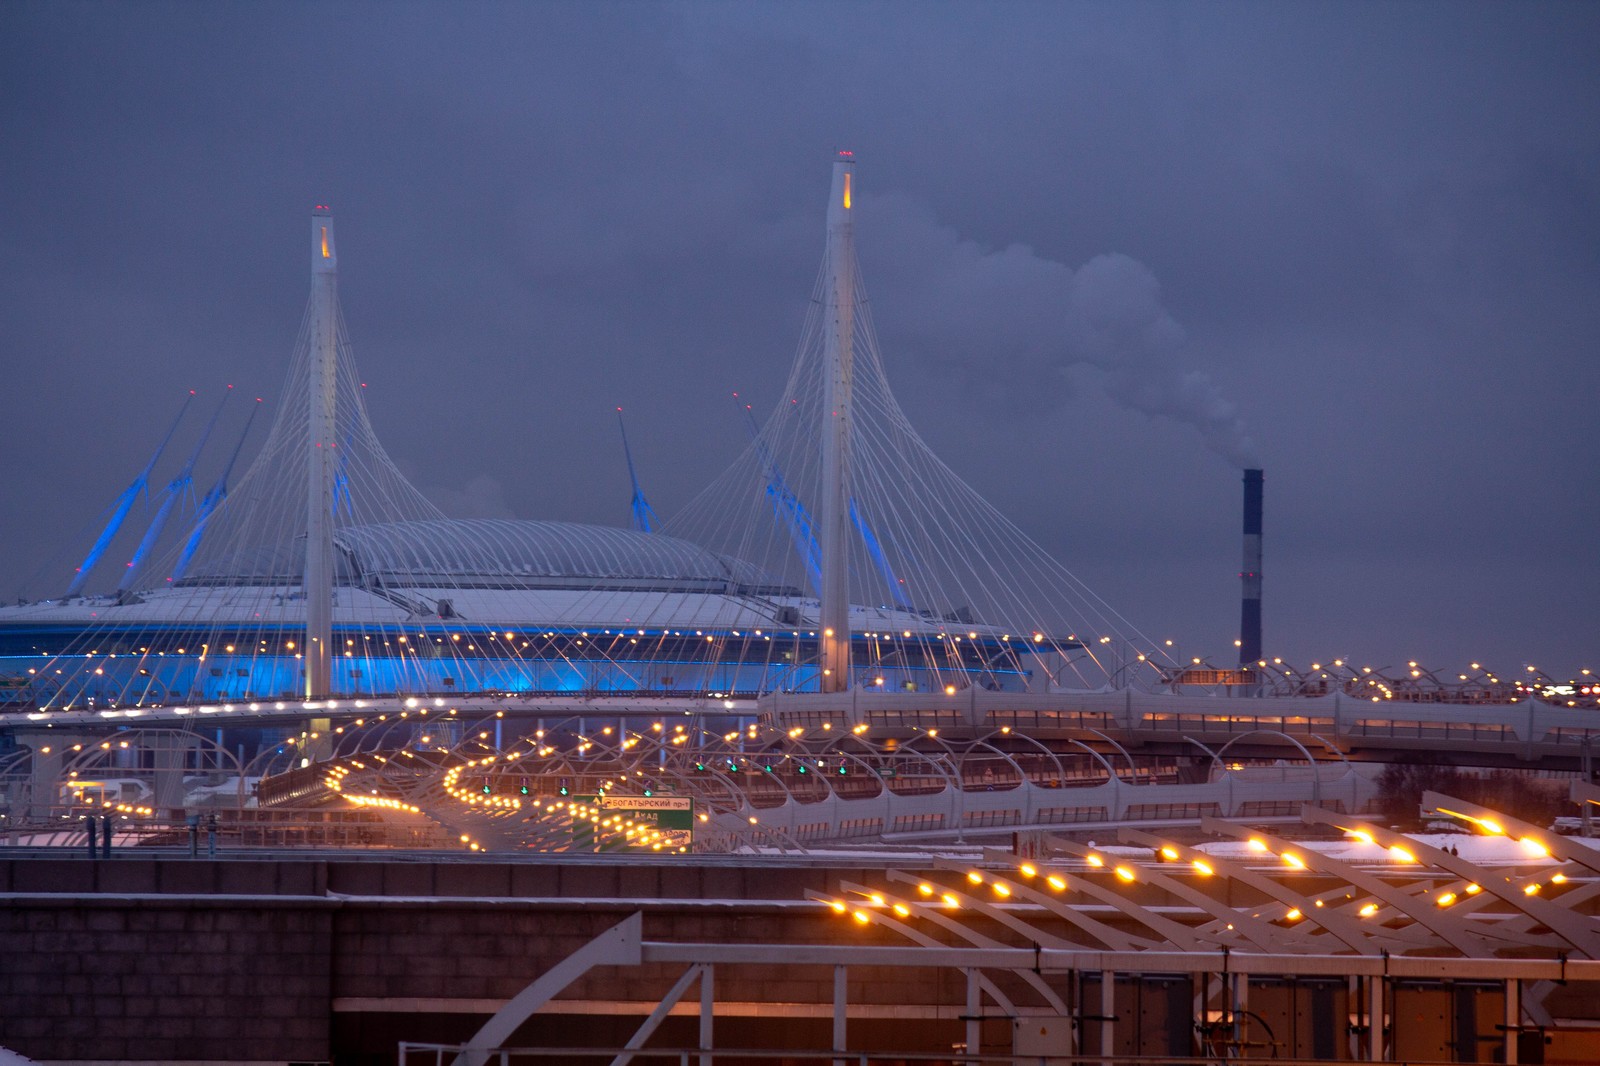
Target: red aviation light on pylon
<point>846,152</point>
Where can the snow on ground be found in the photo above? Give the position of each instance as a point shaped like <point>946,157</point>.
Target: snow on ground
<point>1476,849</point>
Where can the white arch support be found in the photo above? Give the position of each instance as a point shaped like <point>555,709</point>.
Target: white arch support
<point>889,920</point>
<point>700,972</point>
<point>1424,913</point>
<point>621,945</point>
<point>1578,930</point>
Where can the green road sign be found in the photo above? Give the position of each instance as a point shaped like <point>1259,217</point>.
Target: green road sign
<point>670,817</point>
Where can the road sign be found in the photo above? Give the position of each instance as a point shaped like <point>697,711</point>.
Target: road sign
<point>644,803</point>
<point>670,818</point>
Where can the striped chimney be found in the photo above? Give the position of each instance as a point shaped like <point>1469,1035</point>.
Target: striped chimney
<point>1250,575</point>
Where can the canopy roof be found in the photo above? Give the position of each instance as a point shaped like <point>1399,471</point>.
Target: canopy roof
<point>503,553</point>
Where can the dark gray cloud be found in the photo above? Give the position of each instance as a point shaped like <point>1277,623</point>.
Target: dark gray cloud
<point>974,309</point>
<point>1105,243</point>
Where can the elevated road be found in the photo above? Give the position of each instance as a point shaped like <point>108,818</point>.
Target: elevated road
<point>1528,733</point>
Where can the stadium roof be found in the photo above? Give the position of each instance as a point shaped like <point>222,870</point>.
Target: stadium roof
<point>503,553</point>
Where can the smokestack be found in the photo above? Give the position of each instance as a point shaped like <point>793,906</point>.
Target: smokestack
<point>1250,576</point>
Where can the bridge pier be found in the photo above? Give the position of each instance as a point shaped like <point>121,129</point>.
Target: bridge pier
<point>1108,1012</point>
<point>841,996</point>
<point>1376,1001</point>
<point>49,749</point>
<point>170,751</point>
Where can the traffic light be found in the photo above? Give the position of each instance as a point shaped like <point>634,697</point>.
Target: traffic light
<point>801,769</point>
<point>767,767</point>
<point>563,790</point>
<point>524,787</point>
<point>486,787</point>
<point>648,791</point>
<point>700,767</point>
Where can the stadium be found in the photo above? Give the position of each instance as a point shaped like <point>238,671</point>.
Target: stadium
<point>481,606</point>
<point>836,553</point>
<point>837,665</point>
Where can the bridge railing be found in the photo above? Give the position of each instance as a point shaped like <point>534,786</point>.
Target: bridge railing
<point>1529,721</point>
<point>418,1054</point>
<point>254,829</point>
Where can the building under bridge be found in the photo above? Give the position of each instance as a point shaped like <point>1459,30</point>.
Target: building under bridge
<point>1358,945</point>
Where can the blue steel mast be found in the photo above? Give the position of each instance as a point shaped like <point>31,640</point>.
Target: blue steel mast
<point>879,559</point>
<point>643,515</point>
<point>792,513</point>
<point>170,496</point>
<point>123,505</point>
<point>787,507</point>
<point>212,499</point>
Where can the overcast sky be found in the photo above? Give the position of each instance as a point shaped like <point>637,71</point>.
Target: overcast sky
<point>1113,251</point>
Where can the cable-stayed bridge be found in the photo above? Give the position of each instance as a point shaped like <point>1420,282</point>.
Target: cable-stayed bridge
<point>838,551</point>
<point>837,577</point>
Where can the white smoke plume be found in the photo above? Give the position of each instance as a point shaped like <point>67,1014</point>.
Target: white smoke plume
<point>1012,307</point>
<point>1115,323</point>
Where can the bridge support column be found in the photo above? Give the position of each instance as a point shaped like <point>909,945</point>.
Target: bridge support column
<point>44,774</point>
<point>321,748</point>
<point>841,990</point>
<point>974,1014</point>
<point>1238,1009</point>
<point>1586,824</point>
<point>44,778</point>
<point>1108,1013</point>
<point>170,753</point>
<point>1513,1024</point>
<point>1377,996</point>
<point>708,1001</point>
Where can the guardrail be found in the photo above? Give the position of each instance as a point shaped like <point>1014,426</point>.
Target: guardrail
<point>247,830</point>
<point>414,1054</point>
